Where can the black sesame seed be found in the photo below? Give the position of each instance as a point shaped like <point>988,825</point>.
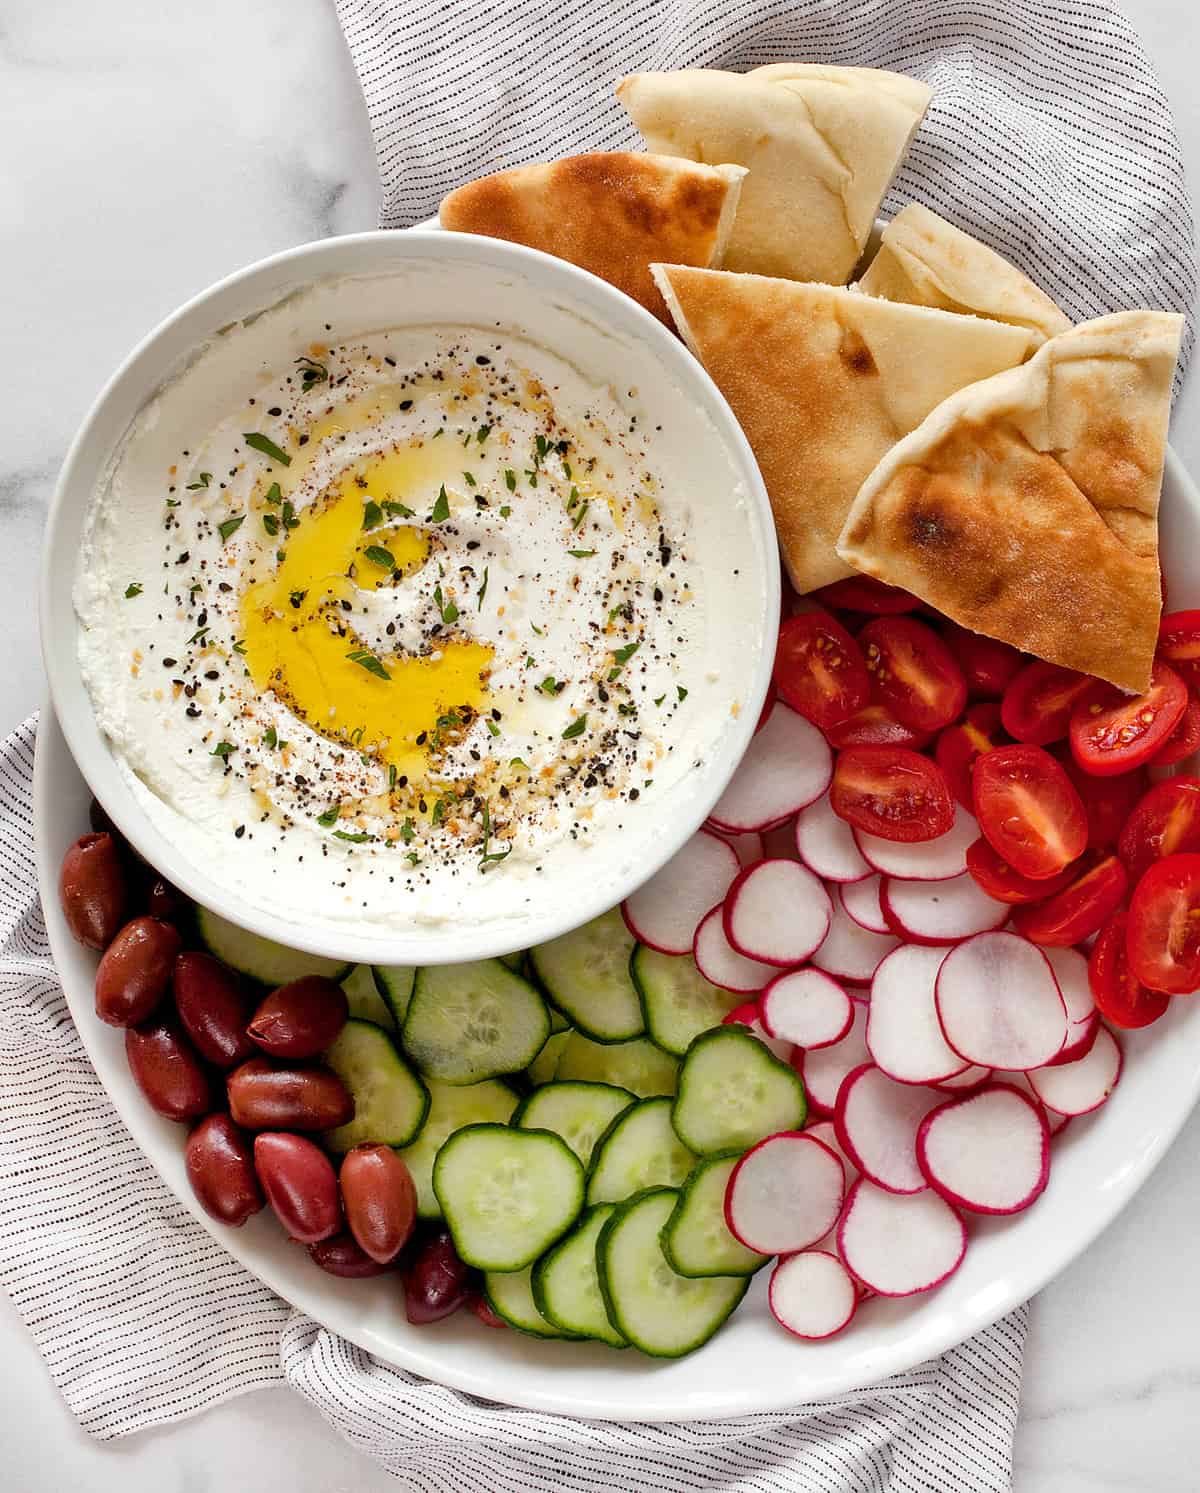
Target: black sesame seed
<point>169,663</point>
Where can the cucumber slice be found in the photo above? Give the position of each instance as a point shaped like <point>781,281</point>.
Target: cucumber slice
<point>451,1108</point>
<point>558,1022</point>
<point>514,961</point>
<point>467,1022</point>
<point>507,1195</point>
<point>733,1092</point>
<point>579,1112</point>
<point>258,958</point>
<point>639,1066</point>
<point>395,984</point>
<point>366,1003</point>
<point>678,1001</point>
<point>510,1295</point>
<point>566,1285</point>
<point>661,1312</point>
<point>696,1239</point>
<point>390,1101</point>
<point>586,975</point>
<point>638,1150</point>
<point>545,1065</point>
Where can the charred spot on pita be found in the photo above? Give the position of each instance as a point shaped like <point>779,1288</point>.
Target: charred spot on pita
<point>855,353</point>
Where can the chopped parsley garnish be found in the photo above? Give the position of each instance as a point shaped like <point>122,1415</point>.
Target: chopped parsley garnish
<point>223,749</point>
<point>577,521</point>
<point>330,817</point>
<point>581,554</point>
<point>530,661</point>
<point>259,442</point>
<point>441,509</point>
<point>517,762</point>
<point>273,494</point>
<point>551,686</point>
<point>359,838</point>
<point>576,728</point>
<point>297,598</point>
<point>486,858</point>
<point>271,523</point>
<point>537,630</point>
<point>681,692</point>
<point>270,738</point>
<point>443,807</point>
<point>231,526</point>
<point>407,830</point>
<point>197,636</point>
<point>621,657</point>
<point>372,515</point>
<point>447,608</point>
<point>205,479</point>
<point>380,556</point>
<point>510,479</point>
<point>397,510</point>
<point>505,511</point>
<point>366,660</point>
<point>493,728</point>
<point>311,373</point>
<point>392,776</point>
<point>543,448</point>
<point>660,699</point>
<point>239,645</point>
<point>412,857</point>
<point>573,499</point>
<point>290,521</point>
<point>469,477</point>
<point>483,588</point>
<point>482,433</point>
<point>172,502</point>
<point>133,589</point>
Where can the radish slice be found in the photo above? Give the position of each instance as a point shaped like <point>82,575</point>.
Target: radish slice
<point>989,1152</point>
<point>823,1069</point>
<point>749,1015</point>
<point>787,765</point>
<point>826,1132</point>
<point>778,912</point>
<point>940,912</point>
<point>877,1122</point>
<point>899,1245</point>
<point>825,843</point>
<point>973,1077</point>
<point>850,952</point>
<point>1083,1020</point>
<point>748,847</point>
<point>784,1194</point>
<point>664,912</point>
<point>1080,1087</point>
<point>927,860</point>
<point>812,1294</point>
<point>806,1007</point>
<point>1021,1081</point>
<point>903,1030</point>
<point>721,964</point>
<point>861,899</point>
<point>999,1003</point>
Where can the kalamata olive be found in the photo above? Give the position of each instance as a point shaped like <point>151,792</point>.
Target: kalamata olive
<point>478,1303</point>
<point>220,1167</point>
<point>164,901</point>
<point>264,1097</point>
<point>212,1007</point>
<point>135,970</point>
<point>436,1281</point>
<point>300,1185</point>
<point>342,1256</point>
<point>93,890</point>
<point>380,1199</point>
<point>301,1019</point>
<point>166,1068</point>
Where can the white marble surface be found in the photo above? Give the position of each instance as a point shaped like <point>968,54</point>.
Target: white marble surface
<point>151,146</point>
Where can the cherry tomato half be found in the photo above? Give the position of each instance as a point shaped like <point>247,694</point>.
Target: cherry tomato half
<point>1038,701</point>
<point>959,745</point>
<point>874,725</point>
<point>863,593</point>
<point>1112,732</point>
<point>1028,810</point>
<point>1165,822</point>
<point>1119,995</point>
<point>913,672</point>
<point>891,792</point>
<point>1079,910</point>
<point>819,669</point>
<point>988,665</point>
<point>1184,740</point>
<point>1107,802</point>
<point>1179,644</point>
<point>1163,936</point>
<point>996,877</point>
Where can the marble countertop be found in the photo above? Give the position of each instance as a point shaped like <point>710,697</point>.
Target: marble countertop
<point>154,147</point>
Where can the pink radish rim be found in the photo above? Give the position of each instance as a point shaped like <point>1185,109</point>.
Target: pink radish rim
<point>784,974</point>
<point>856,1298</point>
<point>956,1200</point>
<point>730,899</point>
<point>798,1135</point>
<point>847,1207</point>
<point>853,1154</point>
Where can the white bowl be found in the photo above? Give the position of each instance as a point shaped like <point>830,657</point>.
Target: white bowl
<point>1099,1164</point>
<point>444,277</point>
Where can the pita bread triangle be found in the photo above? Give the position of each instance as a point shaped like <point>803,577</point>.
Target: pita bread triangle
<point>824,381</point>
<point>1026,507</point>
<point>610,212</point>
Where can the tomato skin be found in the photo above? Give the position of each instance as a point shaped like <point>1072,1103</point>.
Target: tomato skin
<point>913,672</point>
<point>1184,740</point>
<point>1162,939</point>
<point>1038,701</point>
<point>1165,822</point>
<point>996,877</point>
<point>959,746</point>
<point>874,725</point>
<point>891,792</point>
<point>1179,644</point>
<point>1028,810</point>
<point>1079,910</point>
<point>1111,732</point>
<point>819,669</point>
<point>1107,802</point>
<point>1120,996</point>
<point>988,665</point>
<point>863,593</point>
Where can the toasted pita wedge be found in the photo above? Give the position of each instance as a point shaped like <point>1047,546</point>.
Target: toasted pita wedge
<point>610,212</point>
<point>1026,507</point>
<point>928,262</point>
<point>822,144</point>
<point>824,381</point>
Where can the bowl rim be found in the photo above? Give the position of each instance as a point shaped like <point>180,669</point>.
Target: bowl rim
<point>417,943</point>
